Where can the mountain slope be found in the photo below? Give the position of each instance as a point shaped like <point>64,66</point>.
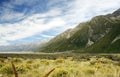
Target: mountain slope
<point>108,43</point>
<point>100,34</point>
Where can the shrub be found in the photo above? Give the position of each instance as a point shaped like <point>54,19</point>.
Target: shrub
<point>44,62</point>
<point>7,69</point>
<point>90,72</point>
<point>60,73</point>
<point>1,65</point>
<point>60,60</point>
<point>17,59</point>
<point>29,61</point>
<point>22,68</point>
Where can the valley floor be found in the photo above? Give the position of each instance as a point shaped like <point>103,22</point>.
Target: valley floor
<point>59,65</point>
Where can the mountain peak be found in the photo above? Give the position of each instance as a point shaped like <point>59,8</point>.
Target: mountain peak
<point>100,34</point>
<point>117,12</point>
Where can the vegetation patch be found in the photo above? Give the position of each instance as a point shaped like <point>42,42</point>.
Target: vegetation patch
<point>61,67</point>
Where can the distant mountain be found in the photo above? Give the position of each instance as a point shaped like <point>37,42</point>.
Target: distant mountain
<point>100,34</point>
<point>21,47</point>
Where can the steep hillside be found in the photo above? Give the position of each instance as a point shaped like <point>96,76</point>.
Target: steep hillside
<point>100,34</point>
<point>109,43</point>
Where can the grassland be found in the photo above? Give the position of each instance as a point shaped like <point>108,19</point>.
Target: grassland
<point>60,65</point>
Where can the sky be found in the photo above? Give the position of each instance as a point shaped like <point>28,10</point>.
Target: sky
<point>25,21</point>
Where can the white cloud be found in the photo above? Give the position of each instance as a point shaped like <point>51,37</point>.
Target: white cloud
<point>29,27</point>
<point>74,11</point>
<point>47,36</point>
<point>20,2</point>
<point>16,9</point>
<point>83,10</point>
<point>8,14</point>
<point>12,16</point>
<point>3,42</point>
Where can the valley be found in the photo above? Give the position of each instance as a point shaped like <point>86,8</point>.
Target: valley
<point>59,38</point>
<point>59,65</point>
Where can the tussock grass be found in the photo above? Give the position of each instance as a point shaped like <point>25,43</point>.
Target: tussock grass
<point>61,67</point>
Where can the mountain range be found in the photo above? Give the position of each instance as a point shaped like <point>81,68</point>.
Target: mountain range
<point>21,47</point>
<point>100,34</point>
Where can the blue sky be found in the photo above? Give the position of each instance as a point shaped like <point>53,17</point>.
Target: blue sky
<point>23,21</point>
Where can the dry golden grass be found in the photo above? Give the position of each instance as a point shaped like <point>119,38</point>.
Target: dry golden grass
<point>69,67</point>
